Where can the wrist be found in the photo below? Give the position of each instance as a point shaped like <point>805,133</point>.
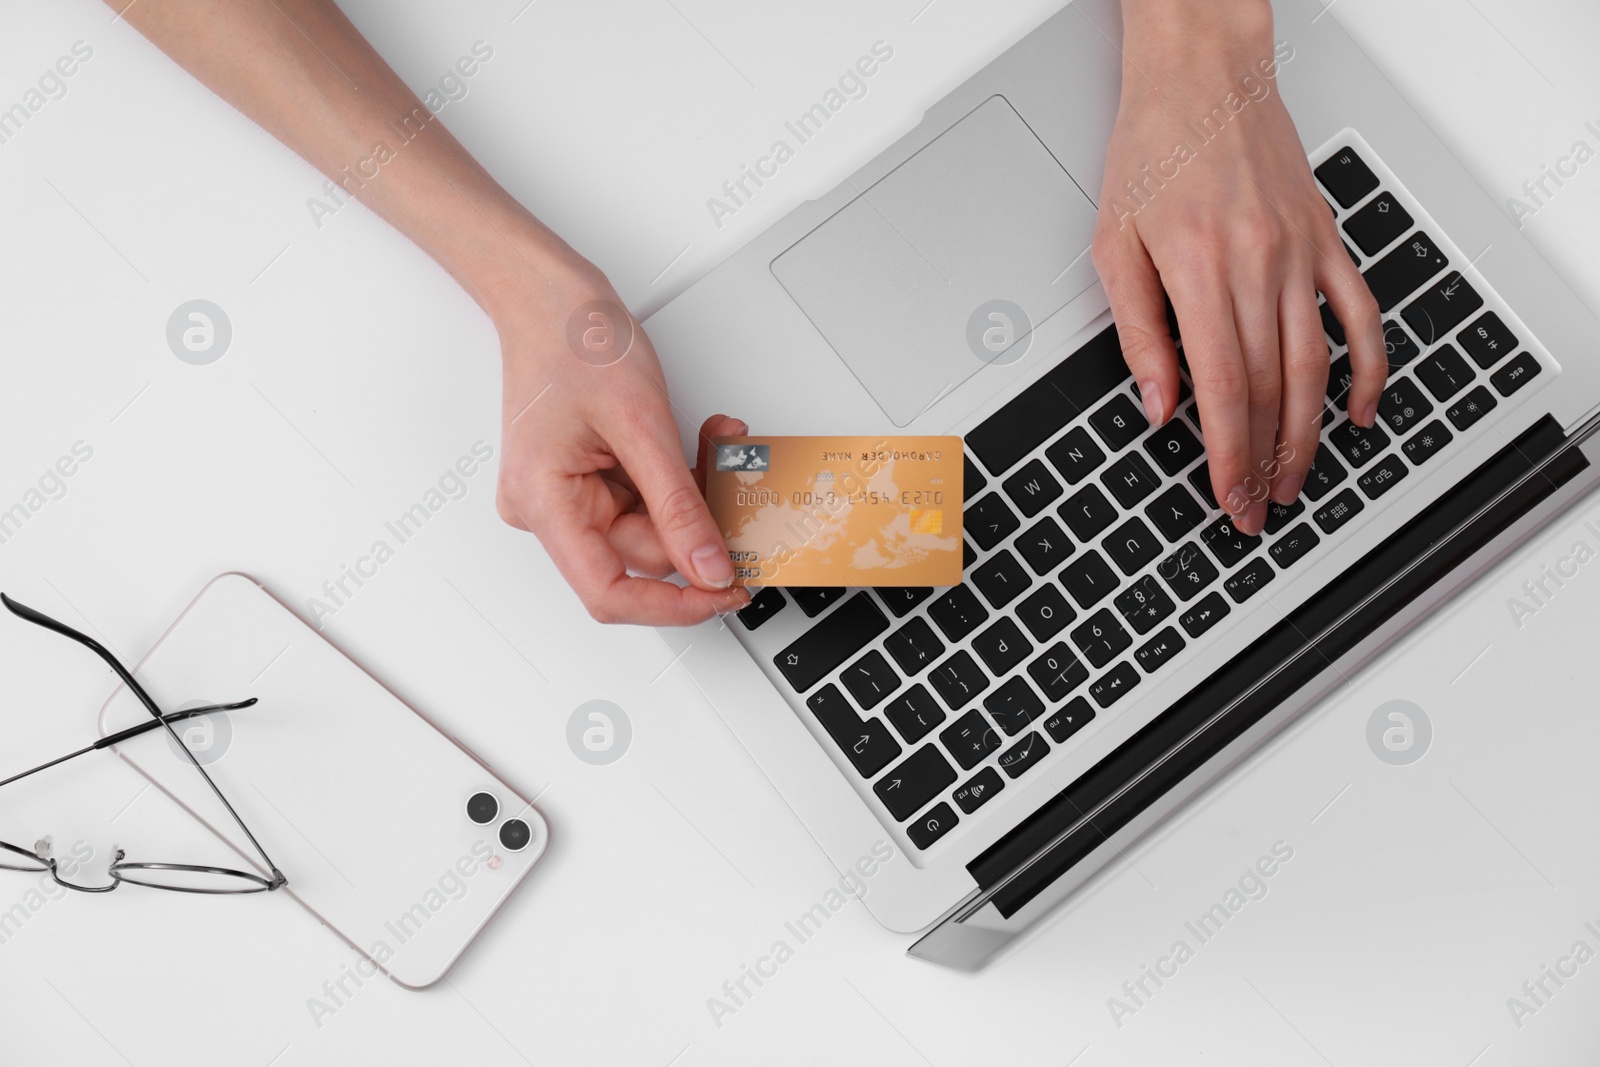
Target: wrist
<point>1183,30</point>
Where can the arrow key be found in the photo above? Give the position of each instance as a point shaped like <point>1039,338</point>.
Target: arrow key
<point>979,788</point>
<point>918,779</point>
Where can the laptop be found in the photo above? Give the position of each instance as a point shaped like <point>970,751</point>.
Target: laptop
<point>1115,645</point>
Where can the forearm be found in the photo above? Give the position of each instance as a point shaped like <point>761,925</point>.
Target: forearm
<point>1195,27</point>
<point>302,71</point>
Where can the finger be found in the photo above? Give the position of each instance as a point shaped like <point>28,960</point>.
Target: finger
<point>1256,317</point>
<point>648,447</point>
<point>634,537</point>
<point>1357,311</point>
<point>1139,306</point>
<point>595,570</point>
<point>1210,337</point>
<point>1305,383</point>
<point>715,426</point>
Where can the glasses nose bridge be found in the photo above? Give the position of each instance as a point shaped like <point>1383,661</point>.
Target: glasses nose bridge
<point>55,875</point>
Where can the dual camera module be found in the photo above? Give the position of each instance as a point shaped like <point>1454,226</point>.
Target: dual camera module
<point>484,808</point>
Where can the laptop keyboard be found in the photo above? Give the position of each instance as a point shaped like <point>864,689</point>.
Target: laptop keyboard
<point>1095,552</point>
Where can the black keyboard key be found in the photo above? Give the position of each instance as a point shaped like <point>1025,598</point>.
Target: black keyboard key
<point>1379,223</point>
<point>1445,373</point>
<point>1442,307</point>
<point>1331,324</point>
<point>1227,543</point>
<point>1200,478</point>
<point>931,825</point>
<point>970,739</point>
<point>1130,480</point>
<point>1347,177</point>
<point>1058,671</point>
<point>902,598</point>
<point>1045,612</point>
<point>1247,581</point>
<point>868,745</point>
<point>1358,445</point>
<point>870,679</point>
<point>1069,720</point>
<point>1174,447</point>
<point>1325,473</point>
<point>920,777</point>
<point>958,680</point>
<point>914,713</point>
<point>814,654</point>
<point>1159,650</point>
<point>914,646</point>
<point>972,479</point>
<point>1175,513</point>
<point>1087,512</point>
<point>763,606</point>
<point>1076,455</point>
<point>1089,579</point>
<point>1339,376</point>
<point>1338,511</point>
<point>968,556</point>
<point>990,521</point>
<point>1194,416</point>
<point>1024,754</point>
<point>1014,705</point>
<point>1045,545</point>
<point>1380,479</point>
<point>1038,413</point>
<point>1515,375</point>
<point>1001,578</point>
<point>1204,615</point>
<point>1115,684</point>
<point>1289,549</point>
<point>1488,340</point>
<point>1101,638</point>
<point>1351,253</point>
<point>1470,408</point>
<point>1398,345</point>
<point>1002,646</point>
<point>1402,406</point>
<point>978,789</point>
<point>958,612</point>
<point>1403,271</point>
<point>1143,605</point>
<point>816,599</point>
<point>1032,488</point>
<point>1279,516</point>
<point>1119,423</point>
<point>1187,571</point>
<point>1132,545</point>
<point>1426,441</point>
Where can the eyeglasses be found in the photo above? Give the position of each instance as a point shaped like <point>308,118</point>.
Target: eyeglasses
<point>178,877</point>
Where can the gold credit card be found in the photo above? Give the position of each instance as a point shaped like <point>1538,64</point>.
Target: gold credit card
<point>801,511</point>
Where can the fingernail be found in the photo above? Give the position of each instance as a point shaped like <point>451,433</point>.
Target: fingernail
<point>1254,519</point>
<point>1236,501</point>
<point>1150,393</point>
<point>1369,414</point>
<point>712,565</point>
<point>743,428</point>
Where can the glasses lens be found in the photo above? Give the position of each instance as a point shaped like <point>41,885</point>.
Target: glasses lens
<point>188,879</point>
<point>13,858</point>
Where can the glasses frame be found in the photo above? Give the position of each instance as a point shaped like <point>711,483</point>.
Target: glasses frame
<point>40,853</point>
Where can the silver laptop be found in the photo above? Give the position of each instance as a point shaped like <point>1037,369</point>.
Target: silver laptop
<point>1115,644</point>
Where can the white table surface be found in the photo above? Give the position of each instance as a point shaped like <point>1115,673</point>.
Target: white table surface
<point>1418,899</point>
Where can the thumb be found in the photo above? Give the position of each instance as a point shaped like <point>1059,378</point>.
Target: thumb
<point>651,455</point>
<point>1139,306</point>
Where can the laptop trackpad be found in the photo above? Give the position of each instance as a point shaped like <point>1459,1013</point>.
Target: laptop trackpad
<point>897,281</point>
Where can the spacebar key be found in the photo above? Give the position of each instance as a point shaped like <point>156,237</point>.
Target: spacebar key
<point>1034,415</point>
<point>838,636</point>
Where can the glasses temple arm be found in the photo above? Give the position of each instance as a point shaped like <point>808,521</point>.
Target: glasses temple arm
<point>132,731</point>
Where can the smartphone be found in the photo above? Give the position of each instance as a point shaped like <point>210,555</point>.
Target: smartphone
<point>390,832</point>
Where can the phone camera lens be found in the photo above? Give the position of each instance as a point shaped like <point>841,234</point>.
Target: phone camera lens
<point>482,808</point>
<point>515,835</point>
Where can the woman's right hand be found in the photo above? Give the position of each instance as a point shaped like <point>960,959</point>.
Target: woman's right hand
<point>591,462</point>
